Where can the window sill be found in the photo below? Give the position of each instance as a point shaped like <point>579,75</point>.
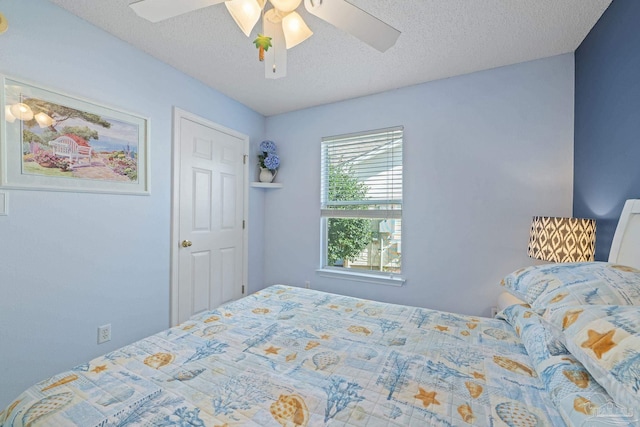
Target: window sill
<point>361,277</point>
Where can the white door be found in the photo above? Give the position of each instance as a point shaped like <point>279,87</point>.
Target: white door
<point>209,231</point>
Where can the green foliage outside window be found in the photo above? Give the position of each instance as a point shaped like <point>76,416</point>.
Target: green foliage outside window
<point>347,237</point>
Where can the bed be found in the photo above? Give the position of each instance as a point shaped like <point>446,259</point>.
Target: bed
<point>286,356</point>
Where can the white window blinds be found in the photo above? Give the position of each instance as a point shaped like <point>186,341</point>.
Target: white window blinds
<point>362,175</point>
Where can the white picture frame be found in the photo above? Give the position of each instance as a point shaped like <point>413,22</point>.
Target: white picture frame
<point>57,142</point>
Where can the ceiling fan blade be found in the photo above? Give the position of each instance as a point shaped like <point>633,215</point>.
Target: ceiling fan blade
<point>275,59</point>
<point>347,17</point>
<point>159,10</point>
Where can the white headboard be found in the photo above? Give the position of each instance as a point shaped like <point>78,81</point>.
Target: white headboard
<point>625,248</point>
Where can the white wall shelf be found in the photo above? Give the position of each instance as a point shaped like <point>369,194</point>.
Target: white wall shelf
<point>266,185</point>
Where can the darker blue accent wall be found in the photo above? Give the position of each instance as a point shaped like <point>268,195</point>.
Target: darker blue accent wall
<point>607,120</point>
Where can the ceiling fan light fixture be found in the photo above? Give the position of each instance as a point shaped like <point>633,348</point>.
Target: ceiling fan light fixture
<point>3,23</point>
<point>21,111</point>
<point>245,12</point>
<point>286,6</point>
<point>43,120</point>
<point>7,114</point>
<point>295,30</point>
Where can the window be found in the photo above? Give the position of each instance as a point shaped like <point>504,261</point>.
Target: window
<point>361,202</point>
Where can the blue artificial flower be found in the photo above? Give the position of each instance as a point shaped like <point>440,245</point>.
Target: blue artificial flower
<point>272,161</point>
<point>268,147</point>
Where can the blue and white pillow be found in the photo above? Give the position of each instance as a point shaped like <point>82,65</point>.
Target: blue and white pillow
<point>590,283</point>
<point>606,340</point>
<point>578,397</point>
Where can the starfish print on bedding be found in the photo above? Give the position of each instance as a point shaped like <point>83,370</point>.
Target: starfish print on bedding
<point>599,343</point>
<point>427,397</point>
<point>99,369</point>
<point>272,350</point>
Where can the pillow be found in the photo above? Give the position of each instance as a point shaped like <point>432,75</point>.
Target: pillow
<point>505,299</point>
<point>597,284</point>
<point>606,340</point>
<point>536,284</point>
<point>525,284</point>
<point>574,392</point>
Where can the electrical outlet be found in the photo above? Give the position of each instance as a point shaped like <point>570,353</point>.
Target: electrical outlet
<point>307,284</point>
<point>104,333</point>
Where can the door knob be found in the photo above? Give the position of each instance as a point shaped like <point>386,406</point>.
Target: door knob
<point>186,243</point>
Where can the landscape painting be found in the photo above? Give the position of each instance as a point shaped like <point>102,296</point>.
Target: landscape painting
<point>54,141</point>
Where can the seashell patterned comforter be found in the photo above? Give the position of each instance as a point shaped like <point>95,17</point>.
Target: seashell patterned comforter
<point>295,357</point>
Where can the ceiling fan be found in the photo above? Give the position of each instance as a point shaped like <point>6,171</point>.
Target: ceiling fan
<point>282,23</point>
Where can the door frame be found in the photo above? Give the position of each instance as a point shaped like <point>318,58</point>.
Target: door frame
<point>178,115</point>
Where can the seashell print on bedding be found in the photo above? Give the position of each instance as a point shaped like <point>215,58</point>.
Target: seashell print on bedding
<point>65,380</point>
<point>311,344</point>
<point>625,268</point>
<point>558,298</point>
<point>578,377</point>
<point>517,415</point>
<point>158,360</point>
<point>570,317</point>
<point>496,333</point>
<point>285,316</point>
<point>584,405</point>
<point>372,311</point>
<point>45,407</point>
<point>359,330</point>
<point>475,389</point>
<point>291,357</point>
<point>215,329</point>
<point>186,375</point>
<point>467,414</point>
<point>325,359</point>
<point>513,366</point>
<point>397,341</point>
<point>4,415</point>
<point>368,354</point>
<point>290,411</point>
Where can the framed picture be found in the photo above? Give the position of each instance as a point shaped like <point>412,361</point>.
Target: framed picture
<point>52,141</point>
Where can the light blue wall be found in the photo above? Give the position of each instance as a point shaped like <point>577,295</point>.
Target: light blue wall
<point>70,262</point>
<point>483,153</point>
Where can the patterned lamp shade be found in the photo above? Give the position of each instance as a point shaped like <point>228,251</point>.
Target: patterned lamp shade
<point>562,239</point>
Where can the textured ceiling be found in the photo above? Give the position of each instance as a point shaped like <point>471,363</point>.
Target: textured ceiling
<point>440,38</point>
